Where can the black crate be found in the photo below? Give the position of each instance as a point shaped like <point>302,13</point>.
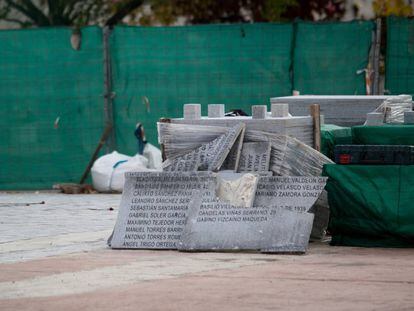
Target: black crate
<point>374,154</point>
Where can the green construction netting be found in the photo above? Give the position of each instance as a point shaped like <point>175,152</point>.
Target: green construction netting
<point>383,135</point>
<point>332,135</point>
<point>399,78</point>
<point>329,58</point>
<point>158,69</point>
<point>371,205</point>
<point>43,80</point>
<point>155,70</point>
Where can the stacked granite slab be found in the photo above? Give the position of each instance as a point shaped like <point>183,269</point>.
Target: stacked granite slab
<point>393,109</point>
<point>288,156</point>
<point>300,127</point>
<point>210,156</point>
<point>343,110</point>
<point>217,190</point>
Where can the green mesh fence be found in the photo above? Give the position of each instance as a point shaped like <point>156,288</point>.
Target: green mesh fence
<point>399,78</point>
<point>52,95</point>
<point>43,81</point>
<point>329,57</point>
<point>158,69</point>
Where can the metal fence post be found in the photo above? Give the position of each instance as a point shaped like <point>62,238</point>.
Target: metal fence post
<point>376,58</point>
<point>108,95</point>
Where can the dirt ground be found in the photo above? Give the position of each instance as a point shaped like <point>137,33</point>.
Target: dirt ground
<point>53,256</point>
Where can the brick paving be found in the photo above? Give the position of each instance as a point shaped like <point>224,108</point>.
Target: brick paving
<point>53,256</point>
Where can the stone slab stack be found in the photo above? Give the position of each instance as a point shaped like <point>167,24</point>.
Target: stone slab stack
<point>217,190</point>
<point>343,110</point>
<point>300,127</point>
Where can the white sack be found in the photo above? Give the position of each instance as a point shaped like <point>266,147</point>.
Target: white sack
<point>108,171</point>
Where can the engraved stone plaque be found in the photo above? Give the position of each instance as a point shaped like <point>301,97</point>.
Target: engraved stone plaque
<point>296,193</point>
<point>233,158</point>
<point>209,156</point>
<point>154,208</point>
<point>215,225</point>
<point>255,157</point>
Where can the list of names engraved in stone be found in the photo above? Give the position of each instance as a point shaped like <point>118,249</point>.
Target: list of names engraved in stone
<point>155,208</point>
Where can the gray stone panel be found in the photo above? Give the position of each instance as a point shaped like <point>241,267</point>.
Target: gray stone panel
<point>295,193</point>
<point>210,156</point>
<point>375,118</point>
<point>255,157</point>
<point>154,208</point>
<point>409,117</point>
<point>214,225</point>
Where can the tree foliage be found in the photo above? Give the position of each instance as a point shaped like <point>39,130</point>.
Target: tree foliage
<point>38,13</point>
<point>384,8</point>
<point>32,13</point>
<point>213,11</point>
<point>317,10</point>
<point>231,11</point>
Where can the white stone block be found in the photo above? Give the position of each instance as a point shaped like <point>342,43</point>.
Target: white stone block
<point>259,111</point>
<point>375,118</point>
<point>280,110</point>
<point>216,111</point>
<point>192,111</point>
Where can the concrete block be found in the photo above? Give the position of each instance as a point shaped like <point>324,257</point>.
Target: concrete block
<point>280,110</point>
<point>259,111</point>
<point>216,111</point>
<point>192,111</point>
<point>409,117</point>
<point>375,119</point>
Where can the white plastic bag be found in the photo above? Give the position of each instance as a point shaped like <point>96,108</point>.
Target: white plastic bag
<point>153,154</point>
<point>101,170</point>
<point>137,163</point>
<point>108,172</point>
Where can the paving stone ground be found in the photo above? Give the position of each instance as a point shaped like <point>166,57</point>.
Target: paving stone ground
<point>63,224</point>
<point>53,256</point>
